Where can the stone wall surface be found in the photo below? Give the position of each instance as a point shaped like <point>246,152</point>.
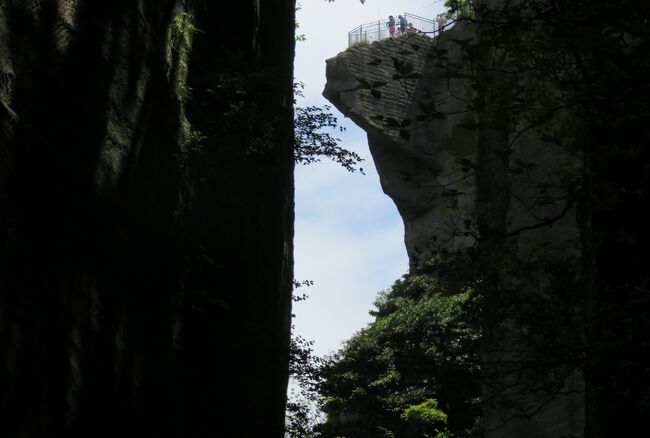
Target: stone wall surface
<point>145,244</point>
<point>443,201</point>
<point>419,174</point>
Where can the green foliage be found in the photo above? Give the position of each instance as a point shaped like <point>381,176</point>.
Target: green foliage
<point>197,136</point>
<point>313,142</point>
<point>422,345</point>
<point>460,8</point>
<point>304,366</point>
<point>196,140</point>
<point>183,28</point>
<point>299,37</point>
<point>303,400</point>
<point>426,419</point>
<point>184,92</point>
<point>426,412</point>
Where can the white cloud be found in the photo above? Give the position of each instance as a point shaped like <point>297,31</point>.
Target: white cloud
<point>348,271</point>
<point>349,241</point>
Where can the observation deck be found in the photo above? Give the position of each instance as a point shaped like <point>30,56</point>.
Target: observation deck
<point>379,30</point>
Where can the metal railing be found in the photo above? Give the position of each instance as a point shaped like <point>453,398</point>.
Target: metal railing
<point>379,30</point>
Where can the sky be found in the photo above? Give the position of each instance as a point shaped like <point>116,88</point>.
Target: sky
<point>349,237</point>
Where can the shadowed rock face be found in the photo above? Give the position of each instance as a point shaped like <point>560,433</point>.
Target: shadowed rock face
<point>145,235</point>
<point>446,203</point>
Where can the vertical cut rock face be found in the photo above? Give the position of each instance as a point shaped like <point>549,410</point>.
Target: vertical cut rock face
<point>422,175</point>
<point>450,184</point>
<point>145,224</point>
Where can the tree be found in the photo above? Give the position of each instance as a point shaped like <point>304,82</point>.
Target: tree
<point>460,8</point>
<point>421,349</point>
<point>304,367</point>
<point>303,402</point>
<point>425,419</point>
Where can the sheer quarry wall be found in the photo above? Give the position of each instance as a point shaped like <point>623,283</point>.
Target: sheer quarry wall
<point>145,217</point>
<point>451,184</point>
<point>417,174</point>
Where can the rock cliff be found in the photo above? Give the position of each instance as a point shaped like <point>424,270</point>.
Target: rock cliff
<point>458,185</point>
<point>145,221</point>
<point>418,174</point>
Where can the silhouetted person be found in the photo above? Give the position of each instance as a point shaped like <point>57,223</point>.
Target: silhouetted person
<point>442,19</point>
<point>391,25</point>
<point>402,24</point>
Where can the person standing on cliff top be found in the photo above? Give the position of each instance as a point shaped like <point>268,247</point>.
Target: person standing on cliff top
<point>442,19</point>
<point>402,24</point>
<point>391,25</point>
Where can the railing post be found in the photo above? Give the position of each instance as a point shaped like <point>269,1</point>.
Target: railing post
<point>360,33</point>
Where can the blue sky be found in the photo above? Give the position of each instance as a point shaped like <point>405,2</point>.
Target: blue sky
<point>349,237</point>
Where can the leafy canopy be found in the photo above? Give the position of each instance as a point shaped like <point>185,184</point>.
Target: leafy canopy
<point>421,350</point>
